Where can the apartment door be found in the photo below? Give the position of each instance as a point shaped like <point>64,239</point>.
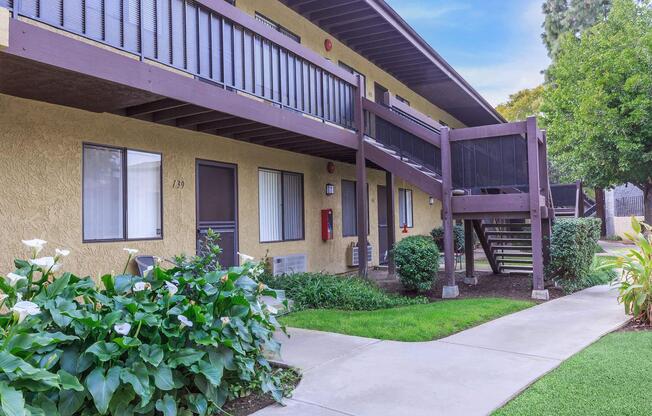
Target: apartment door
<point>383,231</point>
<point>217,206</point>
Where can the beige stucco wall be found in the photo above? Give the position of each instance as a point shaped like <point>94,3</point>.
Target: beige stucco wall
<point>623,225</point>
<point>40,189</point>
<point>313,38</point>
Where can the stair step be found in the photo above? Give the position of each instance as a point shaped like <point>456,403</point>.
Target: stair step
<point>508,225</point>
<point>507,232</point>
<point>510,240</point>
<point>516,268</point>
<point>503,255</point>
<point>515,261</point>
<point>521,248</point>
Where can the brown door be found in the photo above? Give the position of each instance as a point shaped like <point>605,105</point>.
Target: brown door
<point>217,206</point>
<point>382,225</point>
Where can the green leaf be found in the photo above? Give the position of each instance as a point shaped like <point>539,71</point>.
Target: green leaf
<point>213,373</point>
<point>70,402</point>
<point>167,405</point>
<point>127,342</point>
<point>104,351</point>
<point>185,357</point>
<point>12,401</point>
<point>57,286</point>
<point>163,378</point>
<point>197,403</point>
<point>107,281</point>
<point>102,386</point>
<point>152,354</point>
<point>138,377</point>
<point>69,382</point>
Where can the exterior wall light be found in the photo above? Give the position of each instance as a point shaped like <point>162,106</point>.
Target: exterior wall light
<point>431,200</point>
<point>330,189</point>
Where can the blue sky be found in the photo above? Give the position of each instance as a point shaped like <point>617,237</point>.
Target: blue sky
<point>494,44</point>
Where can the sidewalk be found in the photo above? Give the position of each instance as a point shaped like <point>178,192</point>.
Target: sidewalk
<point>470,373</point>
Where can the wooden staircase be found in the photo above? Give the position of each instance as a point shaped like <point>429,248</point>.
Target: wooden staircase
<point>507,245</point>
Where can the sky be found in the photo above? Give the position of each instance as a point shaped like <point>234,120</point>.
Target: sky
<point>494,44</point>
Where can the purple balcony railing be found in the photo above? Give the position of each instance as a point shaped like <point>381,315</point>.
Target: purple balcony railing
<point>226,48</point>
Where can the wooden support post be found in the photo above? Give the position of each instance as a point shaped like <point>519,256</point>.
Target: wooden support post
<point>361,183</point>
<point>391,222</point>
<point>579,200</point>
<point>546,223</point>
<point>450,289</point>
<point>469,258</point>
<point>538,291</point>
<point>600,211</point>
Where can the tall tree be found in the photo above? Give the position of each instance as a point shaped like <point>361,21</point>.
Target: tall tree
<point>526,102</point>
<point>570,16</point>
<point>598,106</point>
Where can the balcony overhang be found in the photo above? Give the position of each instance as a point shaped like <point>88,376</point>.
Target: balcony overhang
<point>374,30</point>
<point>45,65</point>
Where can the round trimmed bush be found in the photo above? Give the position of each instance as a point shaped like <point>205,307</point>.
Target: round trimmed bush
<point>417,262</point>
<point>458,237</point>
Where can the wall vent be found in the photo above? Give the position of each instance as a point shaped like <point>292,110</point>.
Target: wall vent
<point>293,263</point>
<point>352,259</point>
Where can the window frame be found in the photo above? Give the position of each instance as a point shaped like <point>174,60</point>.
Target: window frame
<point>355,207</point>
<point>303,207</point>
<point>125,194</point>
<point>404,203</point>
<point>403,100</point>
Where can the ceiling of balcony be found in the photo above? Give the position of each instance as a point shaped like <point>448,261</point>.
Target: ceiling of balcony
<point>376,31</point>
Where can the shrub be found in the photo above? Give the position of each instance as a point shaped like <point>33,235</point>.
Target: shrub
<point>573,245</point>
<point>598,275</point>
<point>178,341</point>
<point>635,285</point>
<point>323,291</point>
<point>417,262</point>
<point>458,237</point>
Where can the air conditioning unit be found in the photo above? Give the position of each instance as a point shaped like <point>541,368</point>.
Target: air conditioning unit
<point>352,259</point>
<point>293,263</point>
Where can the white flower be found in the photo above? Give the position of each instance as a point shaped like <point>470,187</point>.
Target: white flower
<point>272,309</point>
<point>244,257</point>
<point>62,252</point>
<point>130,251</point>
<point>24,308</point>
<point>225,320</point>
<point>35,244</point>
<point>172,289</point>
<point>185,321</point>
<point>3,296</point>
<point>122,329</point>
<point>13,278</point>
<point>44,263</point>
<point>140,286</point>
<point>148,269</point>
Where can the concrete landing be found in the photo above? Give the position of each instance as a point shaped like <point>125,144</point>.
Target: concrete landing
<point>470,373</point>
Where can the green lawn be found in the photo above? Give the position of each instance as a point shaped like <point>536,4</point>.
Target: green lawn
<point>408,323</point>
<point>611,377</point>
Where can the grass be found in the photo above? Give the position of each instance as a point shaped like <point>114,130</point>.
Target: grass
<point>611,377</point>
<point>408,323</point>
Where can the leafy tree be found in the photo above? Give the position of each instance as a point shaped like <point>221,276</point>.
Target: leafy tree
<point>525,103</point>
<point>570,16</point>
<point>598,108</point>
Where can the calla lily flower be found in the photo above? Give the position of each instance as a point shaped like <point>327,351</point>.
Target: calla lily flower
<point>24,308</point>
<point>225,320</point>
<point>140,286</point>
<point>62,252</point>
<point>172,288</point>
<point>185,321</point>
<point>245,257</point>
<point>272,309</point>
<point>13,278</point>
<point>36,244</point>
<point>130,251</point>
<point>122,329</point>
<point>45,263</point>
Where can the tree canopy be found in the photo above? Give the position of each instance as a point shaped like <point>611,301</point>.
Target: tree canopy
<point>522,104</point>
<point>598,105</point>
<point>570,16</point>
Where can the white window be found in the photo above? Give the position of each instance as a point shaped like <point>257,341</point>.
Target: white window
<point>280,205</point>
<point>405,211</point>
<point>121,194</point>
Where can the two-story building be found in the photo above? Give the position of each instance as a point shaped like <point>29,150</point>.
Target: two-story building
<point>144,123</point>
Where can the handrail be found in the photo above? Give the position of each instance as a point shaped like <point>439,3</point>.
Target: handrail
<point>410,113</point>
<point>213,41</point>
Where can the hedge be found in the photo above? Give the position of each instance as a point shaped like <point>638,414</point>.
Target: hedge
<point>458,237</point>
<point>573,244</point>
<point>417,262</point>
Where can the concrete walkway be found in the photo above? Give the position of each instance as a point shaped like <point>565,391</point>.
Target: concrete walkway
<point>470,373</point>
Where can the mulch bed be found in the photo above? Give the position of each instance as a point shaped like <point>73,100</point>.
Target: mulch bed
<point>635,325</point>
<point>512,286</point>
<point>244,406</point>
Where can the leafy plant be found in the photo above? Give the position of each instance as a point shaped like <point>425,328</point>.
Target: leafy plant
<point>458,237</point>
<point>573,245</point>
<point>598,275</point>
<point>417,262</point>
<point>635,284</point>
<point>178,341</point>
<point>323,291</point>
